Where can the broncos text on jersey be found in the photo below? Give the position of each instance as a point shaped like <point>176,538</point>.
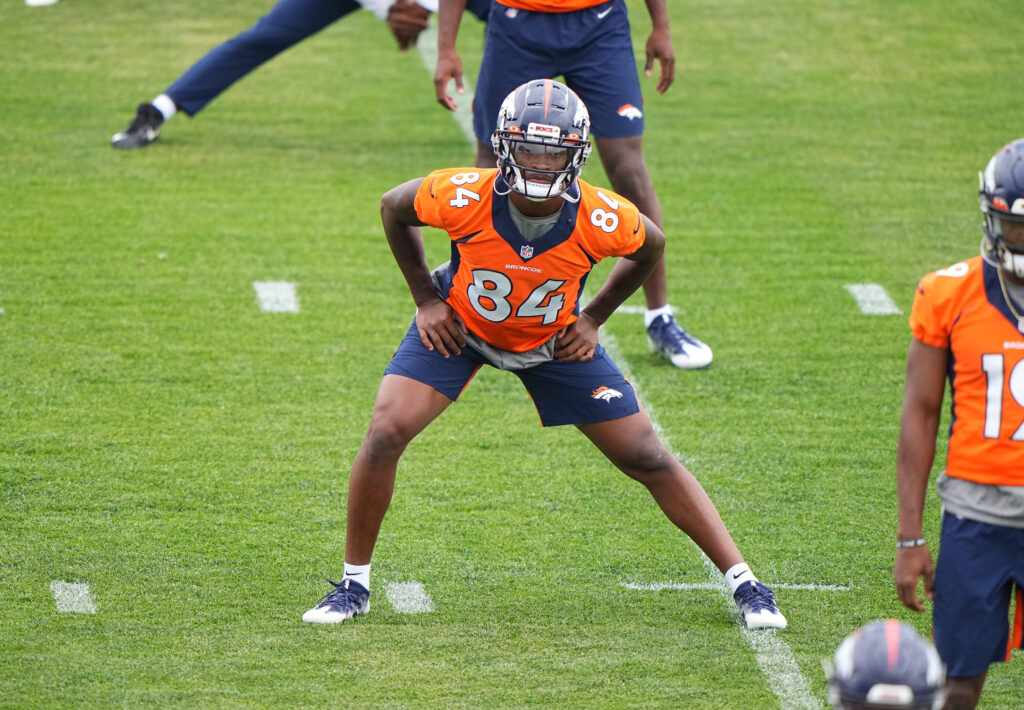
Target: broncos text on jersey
<point>513,293</point>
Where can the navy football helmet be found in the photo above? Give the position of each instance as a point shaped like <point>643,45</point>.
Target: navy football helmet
<point>886,664</point>
<point>1001,196</point>
<point>541,139</point>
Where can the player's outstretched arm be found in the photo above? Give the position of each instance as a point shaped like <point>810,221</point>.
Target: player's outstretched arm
<point>919,423</point>
<point>449,65</point>
<point>659,45</point>
<point>438,325</point>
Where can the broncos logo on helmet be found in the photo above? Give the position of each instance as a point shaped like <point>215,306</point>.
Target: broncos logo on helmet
<point>541,139</point>
<point>1001,196</point>
<point>886,664</point>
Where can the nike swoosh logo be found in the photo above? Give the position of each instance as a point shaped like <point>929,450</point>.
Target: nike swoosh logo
<point>601,15</point>
<point>737,576</point>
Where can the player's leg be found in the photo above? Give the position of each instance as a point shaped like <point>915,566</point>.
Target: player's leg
<point>615,102</point>
<point>288,23</point>
<point>964,693</point>
<point>597,398</point>
<point>418,385</point>
<point>974,580</point>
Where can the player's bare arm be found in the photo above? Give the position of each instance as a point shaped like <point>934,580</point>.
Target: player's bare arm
<point>919,423</point>
<point>438,325</point>
<point>578,341</point>
<point>659,45</point>
<point>449,65</point>
<point>407,19</point>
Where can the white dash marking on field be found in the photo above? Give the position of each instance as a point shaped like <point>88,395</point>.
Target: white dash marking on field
<point>427,45</point>
<point>408,597</point>
<point>873,300</point>
<point>72,598</point>
<point>276,296</point>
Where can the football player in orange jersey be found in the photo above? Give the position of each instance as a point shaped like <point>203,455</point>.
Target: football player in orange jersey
<point>524,237</point>
<point>968,326</point>
<point>588,42</point>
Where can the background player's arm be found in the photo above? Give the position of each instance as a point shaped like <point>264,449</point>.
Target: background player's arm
<point>659,45</point>
<point>577,341</point>
<point>449,65</point>
<point>919,423</point>
<point>407,19</point>
<point>437,323</point>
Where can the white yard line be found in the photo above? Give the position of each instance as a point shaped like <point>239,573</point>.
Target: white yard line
<point>72,598</point>
<point>685,586</point>
<point>276,296</point>
<point>408,597</point>
<point>773,655</point>
<point>873,300</point>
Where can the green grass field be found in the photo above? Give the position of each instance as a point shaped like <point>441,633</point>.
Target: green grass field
<point>186,455</point>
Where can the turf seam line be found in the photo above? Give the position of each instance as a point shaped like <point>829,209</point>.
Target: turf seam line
<point>276,296</point>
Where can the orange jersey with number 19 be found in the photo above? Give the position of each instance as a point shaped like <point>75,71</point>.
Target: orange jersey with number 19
<point>513,293</point>
<point>963,309</point>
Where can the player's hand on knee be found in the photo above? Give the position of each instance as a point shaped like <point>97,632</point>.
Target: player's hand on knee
<point>406,20</point>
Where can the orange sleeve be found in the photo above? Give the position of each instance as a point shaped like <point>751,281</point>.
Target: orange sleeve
<point>930,316</point>
<point>426,203</point>
<point>611,224</point>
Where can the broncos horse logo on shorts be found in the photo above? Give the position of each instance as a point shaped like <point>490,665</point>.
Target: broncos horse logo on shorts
<point>606,393</point>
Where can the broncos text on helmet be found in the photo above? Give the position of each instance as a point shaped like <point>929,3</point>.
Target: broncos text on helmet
<point>541,139</point>
<point>886,664</point>
<point>1001,196</point>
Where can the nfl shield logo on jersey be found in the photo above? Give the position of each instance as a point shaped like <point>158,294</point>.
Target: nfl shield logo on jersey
<point>526,251</point>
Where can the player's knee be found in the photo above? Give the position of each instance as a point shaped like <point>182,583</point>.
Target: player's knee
<point>385,440</point>
<point>646,462</point>
<point>962,694</point>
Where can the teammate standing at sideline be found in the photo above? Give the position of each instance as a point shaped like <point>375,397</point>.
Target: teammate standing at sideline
<point>968,325</point>
<point>524,237</point>
<point>589,43</point>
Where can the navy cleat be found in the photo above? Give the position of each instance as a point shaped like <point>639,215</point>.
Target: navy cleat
<point>143,130</point>
<point>348,599</point>
<point>666,337</point>
<point>757,604</point>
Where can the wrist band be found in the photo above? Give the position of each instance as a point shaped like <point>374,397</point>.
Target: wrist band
<point>910,543</point>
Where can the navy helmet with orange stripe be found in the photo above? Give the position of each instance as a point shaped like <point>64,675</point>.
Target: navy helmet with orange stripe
<point>886,664</point>
<point>541,139</point>
<point>1001,196</point>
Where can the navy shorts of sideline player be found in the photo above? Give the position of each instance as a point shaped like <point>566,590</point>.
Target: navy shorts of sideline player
<point>563,392</point>
<point>592,48</point>
<point>975,573</point>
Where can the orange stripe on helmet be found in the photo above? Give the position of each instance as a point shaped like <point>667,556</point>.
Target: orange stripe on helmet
<point>548,85</point>
<point>892,642</point>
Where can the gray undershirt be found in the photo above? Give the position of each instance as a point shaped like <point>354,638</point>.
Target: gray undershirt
<point>986,503</point>
<point>533,228</point>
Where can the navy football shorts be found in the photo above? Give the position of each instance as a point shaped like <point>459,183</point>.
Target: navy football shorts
<point>975,573</point>
<point>563,392</point>
<point>591,48</point>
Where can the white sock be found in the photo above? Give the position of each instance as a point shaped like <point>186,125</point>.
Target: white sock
<point>652,315</point>
<point>165,105</point>
<point>739,574</point>
<point>358,573</point>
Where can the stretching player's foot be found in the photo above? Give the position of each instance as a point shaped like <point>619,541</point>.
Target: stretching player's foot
<point>346,600</point>
<point>668,338</point>
<point>757,604</point>
<point>143,130</point>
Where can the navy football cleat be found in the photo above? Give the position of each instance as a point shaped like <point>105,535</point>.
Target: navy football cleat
<point>348,599</point>
<point>143,130</point>
<point>668,338</point>
<point>757,605</point>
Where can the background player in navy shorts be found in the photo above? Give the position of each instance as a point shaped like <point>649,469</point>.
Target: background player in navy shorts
<point>587,42</point>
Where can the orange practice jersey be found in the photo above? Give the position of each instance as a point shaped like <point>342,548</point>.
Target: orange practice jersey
<point>963,309</point>
<point>513,293</point>
<point>551,5</point>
